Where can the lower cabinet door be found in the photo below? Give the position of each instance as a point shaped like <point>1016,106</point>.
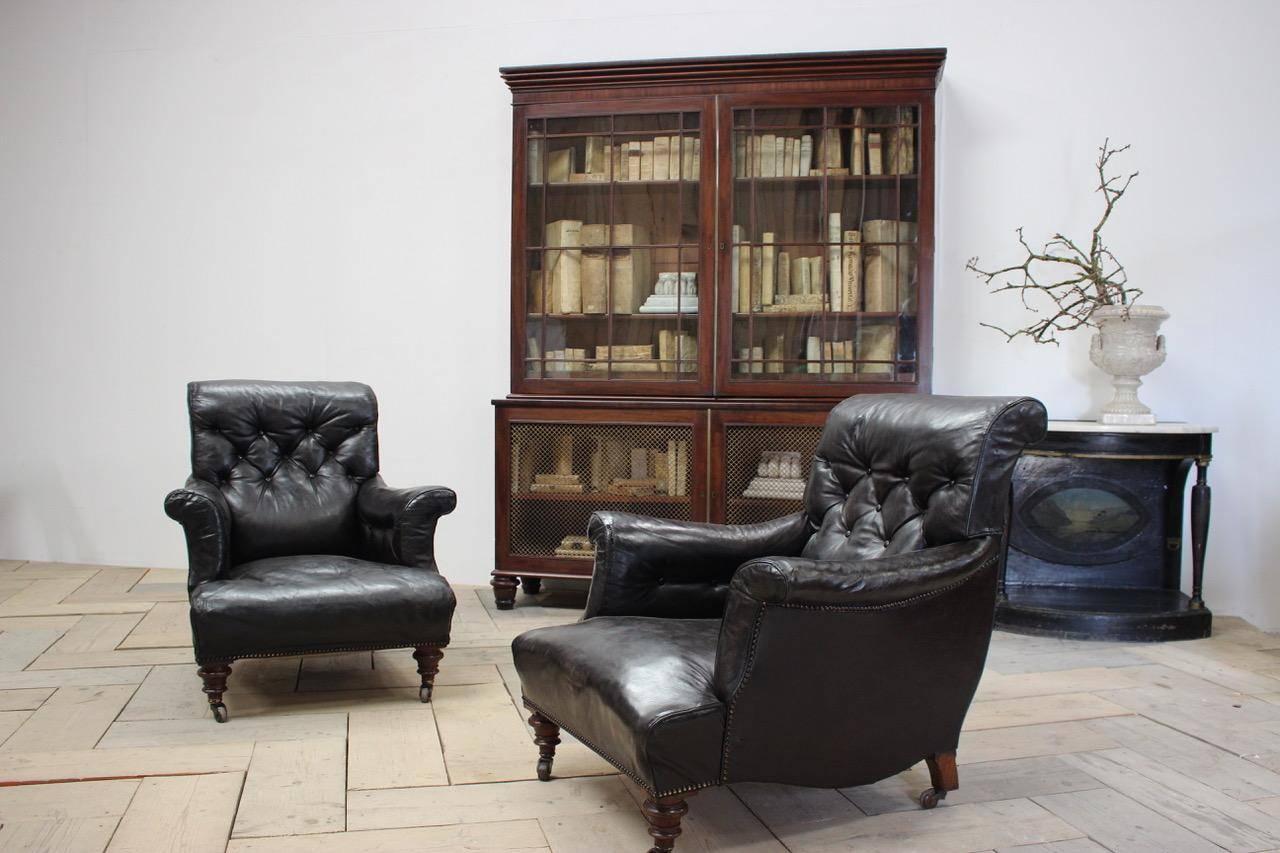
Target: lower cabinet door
<point>760,462</point>
<point>558,466</point>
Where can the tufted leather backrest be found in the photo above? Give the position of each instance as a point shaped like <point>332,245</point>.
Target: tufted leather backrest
<point>289,457</point>
<point>901,472</point>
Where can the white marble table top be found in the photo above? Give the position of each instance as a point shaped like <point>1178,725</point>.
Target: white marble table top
<point>1163,428</point>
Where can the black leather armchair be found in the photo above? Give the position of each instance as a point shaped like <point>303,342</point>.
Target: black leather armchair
<point>295,544</point>
<point>830,648</point>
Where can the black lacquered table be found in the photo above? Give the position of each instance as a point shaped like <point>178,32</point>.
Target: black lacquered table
<point>1095,540</point>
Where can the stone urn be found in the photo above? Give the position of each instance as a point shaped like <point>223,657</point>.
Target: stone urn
<point>1128,346</point>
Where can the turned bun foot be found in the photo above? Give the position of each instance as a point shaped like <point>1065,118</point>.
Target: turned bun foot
<point>546,735</point>
<point>943,776</point>
<point>214,677</point>
<point>929,797</point>
<point>428,658</point>
<point>504,592</point>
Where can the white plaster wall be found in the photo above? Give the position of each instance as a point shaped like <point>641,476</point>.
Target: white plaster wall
<point>320,190</point>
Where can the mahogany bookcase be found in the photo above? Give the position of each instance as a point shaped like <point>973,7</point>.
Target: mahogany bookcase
<point>706,255</point>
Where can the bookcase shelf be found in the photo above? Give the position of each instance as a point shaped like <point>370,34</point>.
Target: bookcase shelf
<point>818,314</point>
<point>872,180</point>
<point>625,185</point>
<point>618,318</point>
<point>598,498</point>
<point>694,181</point>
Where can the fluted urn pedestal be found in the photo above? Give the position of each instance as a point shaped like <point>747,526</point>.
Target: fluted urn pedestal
<point>1128,346</point>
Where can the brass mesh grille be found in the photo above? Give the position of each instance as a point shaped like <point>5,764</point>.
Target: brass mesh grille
<point>561,473</point>
<point>744,445</point>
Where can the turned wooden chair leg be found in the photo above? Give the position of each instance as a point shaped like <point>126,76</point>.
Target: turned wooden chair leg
<point>546,735</point>
<point>214,676</point>
<point>428,658</point>
<point>663,815</point>
<point>942,776</point>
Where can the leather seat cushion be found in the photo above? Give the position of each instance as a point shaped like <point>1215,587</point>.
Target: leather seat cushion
<point>315,603</point>
<point>636,689</point>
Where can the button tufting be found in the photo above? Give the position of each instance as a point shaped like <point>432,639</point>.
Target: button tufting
<point>877,507</point>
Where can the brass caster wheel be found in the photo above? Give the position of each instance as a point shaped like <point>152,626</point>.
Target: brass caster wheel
<point>544,769</point>
<point>219,712</point>
<point>929,797</point>
<point>424,693</point>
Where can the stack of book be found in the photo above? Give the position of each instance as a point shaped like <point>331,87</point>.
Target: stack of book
<point>872,352</point>
<point>626,358</point>
<point>889,269</point>
<point>581,270</point>
<point>661,158</point>
<point>567,360</point>
<point>575,545</point>
<point>881,141</point>
<point>677,468</point>
<point>778,475</point>
<point>777,281</point>
<point>557,484</point>
<point>677,352</point>
<point>861,275</point>
<point>773,155</point>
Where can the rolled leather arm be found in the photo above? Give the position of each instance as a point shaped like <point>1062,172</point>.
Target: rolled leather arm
<point>679,569</point>
<point>882,583</point>
<point>400,524</point>
<point>866,583</point>
<point>202,511</point>
<point>872,663</point>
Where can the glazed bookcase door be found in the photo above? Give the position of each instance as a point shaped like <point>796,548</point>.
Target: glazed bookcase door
<point>557,467</point>
<point>760,463</point>
<point>613,262</point>
<point>826,220</point>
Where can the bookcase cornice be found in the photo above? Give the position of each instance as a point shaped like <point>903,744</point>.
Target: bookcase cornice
<point>925,64</point>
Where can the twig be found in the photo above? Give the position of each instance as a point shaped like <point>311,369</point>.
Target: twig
<point>1090,284</point>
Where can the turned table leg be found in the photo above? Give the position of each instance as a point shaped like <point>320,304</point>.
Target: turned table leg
<point>1199,532</point>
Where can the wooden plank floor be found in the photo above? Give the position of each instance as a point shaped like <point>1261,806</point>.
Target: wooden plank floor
<point>106,744</point>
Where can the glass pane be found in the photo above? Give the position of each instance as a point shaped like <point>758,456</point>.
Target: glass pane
<point>579,124</point>
<point>789,117</point>
<point>570,160</point>
<point>613,229</point>
<point>1084,519</point>
<point>646,122</point>
<point>647,214</point>
<point>824,267</point>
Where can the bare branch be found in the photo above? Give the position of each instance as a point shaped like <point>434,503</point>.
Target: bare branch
<point>1092,278</point>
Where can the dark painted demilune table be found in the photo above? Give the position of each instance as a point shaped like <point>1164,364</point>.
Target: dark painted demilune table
<point>1095,539</point>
